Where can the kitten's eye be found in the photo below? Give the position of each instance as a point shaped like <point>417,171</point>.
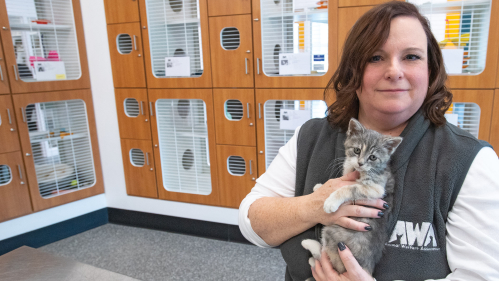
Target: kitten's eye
<point>356,150</point>
<point>373,158</point>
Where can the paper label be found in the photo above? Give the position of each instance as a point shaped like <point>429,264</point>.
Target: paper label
<point>453,60</point>
<point>294,63</point>
<point>291,119</point>
<point>178,66</point>
<point>452,118</point>
<point>49,70</point>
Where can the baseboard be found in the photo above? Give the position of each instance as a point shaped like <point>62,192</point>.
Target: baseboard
<point>213,230</point>
<point>52,233</point>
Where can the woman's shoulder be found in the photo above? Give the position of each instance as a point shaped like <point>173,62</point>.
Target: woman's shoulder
<point>450,132</point>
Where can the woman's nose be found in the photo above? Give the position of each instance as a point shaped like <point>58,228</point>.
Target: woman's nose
<point>394,71</point>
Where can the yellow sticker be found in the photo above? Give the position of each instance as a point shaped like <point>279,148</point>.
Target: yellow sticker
<point>60,76</point>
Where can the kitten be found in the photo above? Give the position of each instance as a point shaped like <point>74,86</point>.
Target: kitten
<point>368,152</point>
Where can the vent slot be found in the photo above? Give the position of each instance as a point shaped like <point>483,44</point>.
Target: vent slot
<point>5,175</point>
<point>137,157</point>
<point>236,165</point>
<point>230,38</point>
<point>132,107</point>
<point>124,43</point>
<point>233,110</point>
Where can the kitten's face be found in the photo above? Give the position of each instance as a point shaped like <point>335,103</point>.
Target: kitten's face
<point>367,150</point>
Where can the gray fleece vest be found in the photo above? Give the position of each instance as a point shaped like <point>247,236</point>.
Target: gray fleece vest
<point>429,168</point>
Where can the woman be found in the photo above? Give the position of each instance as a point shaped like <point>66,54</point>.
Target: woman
<point>392,78</point>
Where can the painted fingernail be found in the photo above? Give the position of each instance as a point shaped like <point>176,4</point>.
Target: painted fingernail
<point>386,206</point>
<point>341,246</point>
<point>381,214</point>
<point>368,228</point>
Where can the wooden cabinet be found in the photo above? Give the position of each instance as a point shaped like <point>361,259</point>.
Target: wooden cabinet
<point>184,145</point>
<point>170,38</point>
<point>228,7</point>
<point>346,19</point>
<point>237,173</point>
<point>276,44</point>
<point>484,99</point>
<point>271,133</point>
<point>133,111</point>
<point>62,49</point>
<point>9,138</point>
<point>121,11</point>
<point>231,51</point>
<point>59,144</point>
<point>125,47</point>
<point>4,78</point>
<point>494,136</point>
<point>138,161</point>
<point>14,195</point>
<point>235,116</point>
<point>354,3</point>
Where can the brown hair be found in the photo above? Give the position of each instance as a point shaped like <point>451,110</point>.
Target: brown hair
<point>369,34</point>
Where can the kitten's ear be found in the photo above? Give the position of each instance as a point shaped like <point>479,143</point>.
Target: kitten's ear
<point>354,127</point>
<point>392,143</point>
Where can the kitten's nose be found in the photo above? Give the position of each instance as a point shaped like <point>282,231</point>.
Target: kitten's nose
<point>360,164</point>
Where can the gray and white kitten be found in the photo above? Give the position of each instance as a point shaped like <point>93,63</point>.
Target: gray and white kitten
<point>368,152</point>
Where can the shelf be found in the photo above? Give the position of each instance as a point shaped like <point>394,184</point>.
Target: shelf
<point>43,137</point>
<point>38,27</point>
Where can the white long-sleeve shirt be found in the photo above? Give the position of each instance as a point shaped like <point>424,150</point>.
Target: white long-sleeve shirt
<point>472,224</point>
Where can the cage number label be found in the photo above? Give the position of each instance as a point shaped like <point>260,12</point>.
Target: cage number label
<point>291,119</point>
<point>294,63</point>
<point>178,66</point>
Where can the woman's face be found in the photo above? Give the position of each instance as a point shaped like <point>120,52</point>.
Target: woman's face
<point>395,80</point>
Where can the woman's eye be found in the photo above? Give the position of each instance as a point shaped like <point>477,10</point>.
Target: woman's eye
<point>375,58</point>
<point>412,57</point>
<point>373,158</point>
<point>356,150</point>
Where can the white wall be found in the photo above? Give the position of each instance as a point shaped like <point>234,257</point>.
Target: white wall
<point>94,24</point>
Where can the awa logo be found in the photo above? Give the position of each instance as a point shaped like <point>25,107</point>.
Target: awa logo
<point>414,236</point>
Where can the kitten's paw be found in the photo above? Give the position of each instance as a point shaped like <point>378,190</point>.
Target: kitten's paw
<point>317,186</point>
<point>331,206</point>
<point>311,261</point>
<point>313,246</point>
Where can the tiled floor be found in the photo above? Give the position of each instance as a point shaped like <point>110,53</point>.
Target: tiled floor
<point>156,255</point>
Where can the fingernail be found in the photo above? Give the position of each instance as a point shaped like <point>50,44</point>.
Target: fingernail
<point>381,214</point>
<point>368,228</point>
<point>386,206</point>
<point>341,246</point>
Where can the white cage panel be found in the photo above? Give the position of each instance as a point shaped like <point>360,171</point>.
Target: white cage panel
<point>465,115</point>
<point>5,175</point>
<point>175,38</point>
<point>183,144</point>
<point>294,37</point>
<point>462,30</point>
<point>230,38</point>
<point>233,110</point>
<point>137,157</point>
<point>124,44</point>
<point>61,146</point>
<point>236,165</point>
<point>276,133</point>
<point>44,39</point>
<point>132,107</point>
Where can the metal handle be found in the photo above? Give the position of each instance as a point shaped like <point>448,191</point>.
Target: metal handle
<point>20,172</point>
<point>135,42</point>
<point>147,158</point>
<point>23,114</point>
<point>258,66</point>
<point>247,108</point>
<point>259,112</point>
<point>256,19</point>
<point>142,107</point>
<point>251,169</point>
<point>246,64</point>
<point>15,71</point>
<point>150,108</point>
<point>1,72</point>
<point>8,113</point>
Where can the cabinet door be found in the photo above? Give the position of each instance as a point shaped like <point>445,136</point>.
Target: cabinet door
<point>8,128</point>
<point>354,3</point>
<point>346,19</point>
<point>14,195</point>
<point>45,51</point>
<point>121,11</point>
<point>59,144</point>
<point>235,116</point>
<point>4,79</point>
<point>287,53</point>
<point>272,132</point>
<point>125,46</point>
<point>138,162</point>
<point>228,7</point>
<point>237,173</point>
<point>231,48</point>
<point>176,43</point>
<point>184,145</point>
<point>494,136</point>
<point>133,113</point>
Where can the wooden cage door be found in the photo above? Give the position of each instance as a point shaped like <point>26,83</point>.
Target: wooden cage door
<point>4,78</point>
<point>231,51</point>
<point>133,113</point>
<point>14,194</point>
<point>138,162</point>
<point>9,138</point>
<point>228,7</point>
<point>121,11</point>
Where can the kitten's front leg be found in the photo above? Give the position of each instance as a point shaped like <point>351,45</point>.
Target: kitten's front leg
<point>340,196</point>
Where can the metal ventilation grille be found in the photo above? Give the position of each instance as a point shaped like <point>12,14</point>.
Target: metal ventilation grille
<point>230,38</point>
<point>132,108</point>
<point>5,175</point>
<point>233,110</point>
<point>465,115</point>
<point>124,43</point>
<point>462,29</point>
<point>44,38</point>
<point>236,165</point>
<point>175,38</point>
<point>296,30</point>
<point>275,136</point>
<point>61,147</point>
<point>137,157</point>
<point>183,144</point>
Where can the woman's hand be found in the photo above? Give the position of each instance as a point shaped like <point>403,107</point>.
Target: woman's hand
<point>341,216</point>
<point>323,269</point>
